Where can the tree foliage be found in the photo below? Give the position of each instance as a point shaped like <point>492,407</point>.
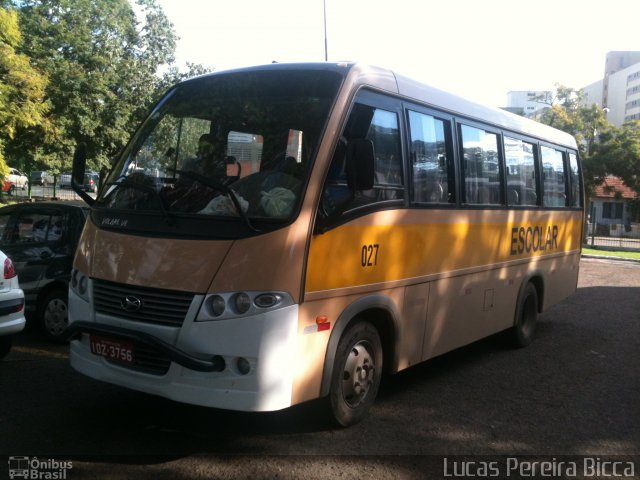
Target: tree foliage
<point>617,152</point>
<point>22,87</point>
<point>102,65</point>
<point>605,149</point>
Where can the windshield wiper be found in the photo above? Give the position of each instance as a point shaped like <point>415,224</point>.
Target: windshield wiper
<point>128,182</point>
<point>221,187</point>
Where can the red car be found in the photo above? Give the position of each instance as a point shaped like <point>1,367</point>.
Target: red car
<point>8,187</point>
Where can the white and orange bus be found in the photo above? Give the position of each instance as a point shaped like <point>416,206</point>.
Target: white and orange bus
<point>343,221</point>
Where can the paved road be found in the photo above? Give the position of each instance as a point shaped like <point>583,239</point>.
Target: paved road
<point>574,391</point>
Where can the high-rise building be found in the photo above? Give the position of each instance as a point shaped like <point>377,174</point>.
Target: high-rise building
<point>618,92</point>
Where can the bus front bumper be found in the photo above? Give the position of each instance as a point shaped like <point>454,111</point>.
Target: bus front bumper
<point>240,364</point>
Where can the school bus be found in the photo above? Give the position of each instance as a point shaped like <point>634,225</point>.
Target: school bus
<point>283,233</point>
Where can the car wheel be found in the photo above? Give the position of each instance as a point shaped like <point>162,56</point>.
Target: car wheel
<point>5,345</point>
<point>25,185</point>
<point>356,374</point>
<point>524,325</point>
<point>54,314</point>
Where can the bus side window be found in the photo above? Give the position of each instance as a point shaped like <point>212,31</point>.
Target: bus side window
<point>481,167</point>
<point>554,188</point>
<point>574,177</point>
<point>521,172</point>
<point>432,173</point>
<point>384,134</point>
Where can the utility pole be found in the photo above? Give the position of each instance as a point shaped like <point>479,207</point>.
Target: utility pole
<point>324,6</point>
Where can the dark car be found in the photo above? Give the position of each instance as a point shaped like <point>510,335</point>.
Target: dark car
<point>90,183</point>
<point>41,239</point>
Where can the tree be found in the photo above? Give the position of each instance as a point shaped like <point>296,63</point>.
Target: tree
<point>102,66</point>
<point>617,152</point>
<point>22,87</point>
<point>605,149</point>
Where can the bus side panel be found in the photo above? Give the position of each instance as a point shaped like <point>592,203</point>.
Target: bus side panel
<point>561,279</point>
<point>466,308</point>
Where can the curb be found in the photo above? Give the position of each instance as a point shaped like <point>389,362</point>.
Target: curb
<point>609,257</point>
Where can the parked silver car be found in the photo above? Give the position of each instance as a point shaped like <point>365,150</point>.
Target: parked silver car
<point>12,318</point>
<point>65,180</point>
<point>41,178</point>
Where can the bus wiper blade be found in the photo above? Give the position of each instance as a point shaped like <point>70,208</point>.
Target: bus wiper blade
<point>128,182</point>
<point>221,187</point>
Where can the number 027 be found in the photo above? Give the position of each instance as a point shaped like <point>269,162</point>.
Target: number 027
<point>369,255</point>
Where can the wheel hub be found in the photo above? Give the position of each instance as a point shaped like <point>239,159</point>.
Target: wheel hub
<point>358,374</point>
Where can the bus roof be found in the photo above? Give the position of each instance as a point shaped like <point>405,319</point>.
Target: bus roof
<point>391,82</point>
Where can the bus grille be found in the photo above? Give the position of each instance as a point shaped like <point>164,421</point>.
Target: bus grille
<point>163,307</point>
<point>147,360</point>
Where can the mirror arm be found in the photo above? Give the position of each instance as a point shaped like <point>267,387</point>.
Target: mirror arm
<point>79,164</point>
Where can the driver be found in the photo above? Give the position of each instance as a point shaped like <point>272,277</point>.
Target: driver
<point>209,160</point>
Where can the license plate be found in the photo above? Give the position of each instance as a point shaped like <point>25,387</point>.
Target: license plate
<point>119,350</point>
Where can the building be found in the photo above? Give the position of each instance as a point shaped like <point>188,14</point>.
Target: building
<point>527,102</point>
<point>618,92</point>
<point>611,203</point>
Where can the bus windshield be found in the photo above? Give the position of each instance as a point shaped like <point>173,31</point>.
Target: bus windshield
<point>233,148</point>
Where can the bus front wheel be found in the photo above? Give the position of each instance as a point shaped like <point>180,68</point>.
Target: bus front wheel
<point>526,317</point>
<point>356,374</point>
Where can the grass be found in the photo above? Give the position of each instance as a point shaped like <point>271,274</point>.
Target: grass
<point>612,253</point>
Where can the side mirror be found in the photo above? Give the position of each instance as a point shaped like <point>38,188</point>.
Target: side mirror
<point>360,164</point>
<point>77,175</point>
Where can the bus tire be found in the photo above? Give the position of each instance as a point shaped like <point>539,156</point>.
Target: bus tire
<point>356,374</point>
<point>526,317</point>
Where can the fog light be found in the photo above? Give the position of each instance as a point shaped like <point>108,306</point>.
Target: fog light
<point>243,366</point>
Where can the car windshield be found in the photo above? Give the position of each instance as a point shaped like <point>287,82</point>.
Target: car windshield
<point>232,148</point>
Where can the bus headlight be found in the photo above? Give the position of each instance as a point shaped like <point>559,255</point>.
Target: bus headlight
<point>242,302</point>
<point>216,305</point>
<point>223,306</point>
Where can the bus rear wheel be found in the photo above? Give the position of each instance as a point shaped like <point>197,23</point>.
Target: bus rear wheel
<point>356,374</point>
<point>526,317</point>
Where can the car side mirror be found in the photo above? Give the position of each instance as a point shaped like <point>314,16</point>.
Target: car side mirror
<point>360,164</point>
<point>77,175</point>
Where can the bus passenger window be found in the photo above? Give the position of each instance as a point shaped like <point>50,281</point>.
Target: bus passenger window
<point>553,169</point>
<point>432,173</point>
<point>521,172</point>
<point>481,167</point>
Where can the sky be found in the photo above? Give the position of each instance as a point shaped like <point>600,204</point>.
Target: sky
<point>478,49</point>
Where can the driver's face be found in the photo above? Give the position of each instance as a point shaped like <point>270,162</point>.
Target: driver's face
<point>205,149</point>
